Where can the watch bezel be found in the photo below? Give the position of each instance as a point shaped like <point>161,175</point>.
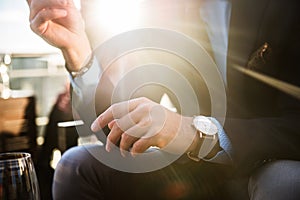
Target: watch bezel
<point>201,123</point>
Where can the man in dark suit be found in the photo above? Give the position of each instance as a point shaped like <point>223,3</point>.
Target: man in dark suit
<point>261,125</point>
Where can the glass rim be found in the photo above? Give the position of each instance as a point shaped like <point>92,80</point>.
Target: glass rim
<point>12,156</point>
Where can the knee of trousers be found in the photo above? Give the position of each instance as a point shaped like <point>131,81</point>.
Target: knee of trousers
<point>76,160</point>
<point>78,173</point>
<point>276,180</point>
<point>70,161</point>
<point>74,169</point>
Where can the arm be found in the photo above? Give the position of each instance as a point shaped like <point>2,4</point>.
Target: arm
<point>60,24</point>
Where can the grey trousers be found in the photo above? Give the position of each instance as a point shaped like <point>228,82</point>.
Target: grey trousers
<point>80,176</point>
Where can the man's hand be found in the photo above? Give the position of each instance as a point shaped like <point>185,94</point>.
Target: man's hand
<point>60,23</point>
<point>141,123</point>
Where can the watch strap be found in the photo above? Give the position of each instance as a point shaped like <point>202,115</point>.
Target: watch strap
<point>193,155</point>
<point>207,145</point>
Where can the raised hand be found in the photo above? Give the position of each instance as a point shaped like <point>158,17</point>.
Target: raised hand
<point>60,23</point>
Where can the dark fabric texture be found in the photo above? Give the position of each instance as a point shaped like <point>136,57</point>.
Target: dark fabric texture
<point>276,180</point>
<point>79,175</point>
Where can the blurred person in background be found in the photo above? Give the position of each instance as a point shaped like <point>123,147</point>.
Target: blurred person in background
<point>61,111</point>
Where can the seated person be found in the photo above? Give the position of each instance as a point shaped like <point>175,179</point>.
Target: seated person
<point>258,143</point>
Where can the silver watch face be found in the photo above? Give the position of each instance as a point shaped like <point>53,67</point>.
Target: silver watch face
<point>205,125</point>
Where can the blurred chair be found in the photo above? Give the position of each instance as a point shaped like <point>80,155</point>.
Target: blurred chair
<point>18,130</point>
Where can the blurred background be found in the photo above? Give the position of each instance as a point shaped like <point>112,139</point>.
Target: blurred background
<point>32,81</point>
<point>35,66</point>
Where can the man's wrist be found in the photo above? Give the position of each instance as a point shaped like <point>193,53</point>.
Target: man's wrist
<point>83,69</point>
<point>77,55</point>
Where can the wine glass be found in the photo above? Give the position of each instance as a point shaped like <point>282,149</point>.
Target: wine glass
<point>18,178</point>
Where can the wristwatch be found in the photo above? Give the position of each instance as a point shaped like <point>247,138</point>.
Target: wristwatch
<point>207,131</point>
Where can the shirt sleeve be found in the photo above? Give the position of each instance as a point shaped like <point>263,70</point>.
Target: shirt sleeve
<point>224,156</point>
<point>84,91</point>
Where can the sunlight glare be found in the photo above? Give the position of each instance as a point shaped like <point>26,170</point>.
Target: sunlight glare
<point>167,103</point>
<point>287,88</point>
<point>118,15</point>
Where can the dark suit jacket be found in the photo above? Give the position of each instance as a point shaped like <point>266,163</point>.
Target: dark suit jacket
<point>263,122</point>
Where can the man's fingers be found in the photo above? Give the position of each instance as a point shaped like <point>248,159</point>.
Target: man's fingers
<point>139,130</point>
<point>131,119</point>
<point>125,143</point>
<point>140,146</point>
<point>116,111</point>
<point>37,5</point>
<point>111,124</point>
<point>29,2</point>
<point>121,109</point>
<point>125,124</point>
<point>113,137</point>
<point>39,24</point>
